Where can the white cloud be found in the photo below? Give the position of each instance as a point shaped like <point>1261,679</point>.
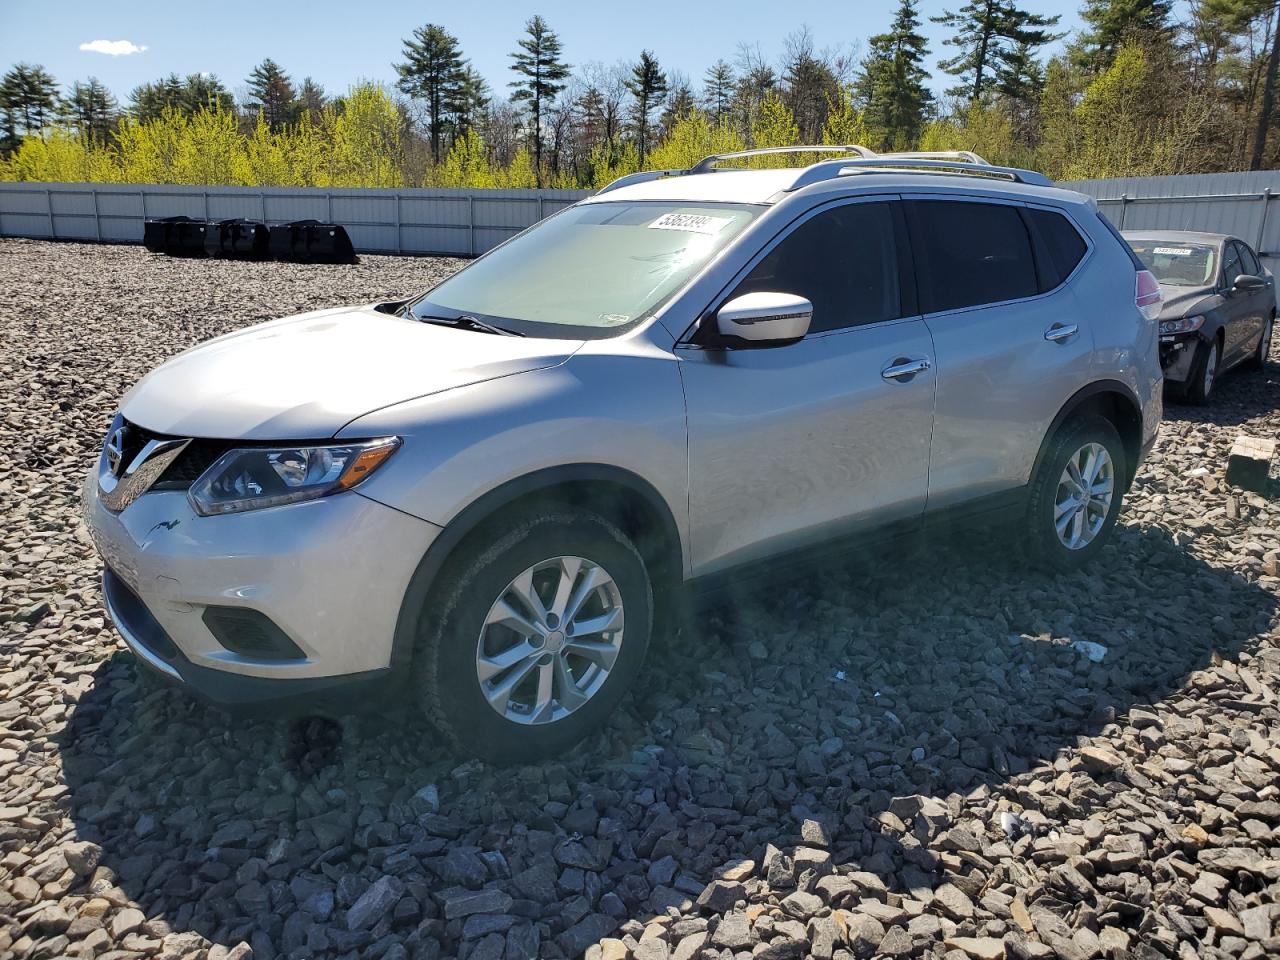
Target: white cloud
<point>112,48</point>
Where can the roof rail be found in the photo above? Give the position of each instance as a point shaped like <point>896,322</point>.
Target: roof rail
<point>642,177</point>
<point>967,156</point>
<point>887,163</point>
<point>863,160</point>
<point>707,164</point>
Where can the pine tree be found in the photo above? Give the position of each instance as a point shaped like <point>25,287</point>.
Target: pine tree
<point>435,73</point>
<point>1112,23</point>
<point>1256,10</point>
<point>541,77</point>
<point>199,92</point>
<point>311,100</point>
<point>271,94</point>
<point>993,36</point>
<point>29,98</point>
<point>717,89</point>
<point>90,108</point>
<point>808,85</point>
<point>648,85</point>
<point>892,85</point>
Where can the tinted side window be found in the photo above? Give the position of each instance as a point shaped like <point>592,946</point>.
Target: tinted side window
<point>1060,246</point>
<point>1249,261</point>
<point>969,253</point>
<point>843,260</point>
<point>1231,264</point>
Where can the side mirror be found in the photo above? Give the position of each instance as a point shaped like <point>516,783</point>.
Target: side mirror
<point>764,319</point>
<point>1247,282</point>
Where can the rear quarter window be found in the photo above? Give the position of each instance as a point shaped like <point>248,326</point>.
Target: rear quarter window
<point>1060,248</point>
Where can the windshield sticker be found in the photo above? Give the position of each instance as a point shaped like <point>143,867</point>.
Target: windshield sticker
<point>613,319</point>
<point>691,223</point>
<point>1174,251</point>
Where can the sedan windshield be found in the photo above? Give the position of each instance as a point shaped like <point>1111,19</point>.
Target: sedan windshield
<point>1179,264</point>
<point>590,271</point>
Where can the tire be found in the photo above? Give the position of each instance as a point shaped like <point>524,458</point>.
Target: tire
<point>1204,373</point>
<point>1258,360</point>
<point>447,663</point>
<point>1045,546</point>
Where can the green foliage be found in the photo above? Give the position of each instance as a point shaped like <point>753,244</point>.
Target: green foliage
<point>358,145</point>
<point>844,124</point>
<point>694,136</point>
<point>467,164</point>
<point>197,92</point>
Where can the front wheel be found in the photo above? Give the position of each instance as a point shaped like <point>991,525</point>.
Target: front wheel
<point>1204,373</point>
<point>535,636</point>
<point>1076,494</point>
<point>1258,360</point>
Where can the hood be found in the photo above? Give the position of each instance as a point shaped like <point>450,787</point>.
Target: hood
<point>305,377</point>
<point>1180,301</point>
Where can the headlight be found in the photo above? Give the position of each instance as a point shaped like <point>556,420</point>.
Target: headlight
<point>1185,325</point>
<point>249,478</point>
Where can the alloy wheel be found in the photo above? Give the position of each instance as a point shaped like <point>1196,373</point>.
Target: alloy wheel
<point>549,640</point>
<point>1084,494</point>
<point>1210,368</point>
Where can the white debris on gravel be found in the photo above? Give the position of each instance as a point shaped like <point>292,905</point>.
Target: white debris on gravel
<point>960,797</point>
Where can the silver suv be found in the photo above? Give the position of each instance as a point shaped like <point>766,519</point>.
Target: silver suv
<point>490,491</point>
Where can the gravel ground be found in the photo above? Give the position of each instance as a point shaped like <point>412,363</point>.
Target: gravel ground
<point>912,755</point>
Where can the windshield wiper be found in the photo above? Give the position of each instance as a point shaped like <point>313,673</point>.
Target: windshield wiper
<point>468,322</point>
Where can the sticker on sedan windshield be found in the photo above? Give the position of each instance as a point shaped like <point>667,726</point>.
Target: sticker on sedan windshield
<point>690,223</point>
<point>1174,251</point>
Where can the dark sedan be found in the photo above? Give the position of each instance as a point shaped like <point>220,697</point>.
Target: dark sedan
<point>1219,305</point>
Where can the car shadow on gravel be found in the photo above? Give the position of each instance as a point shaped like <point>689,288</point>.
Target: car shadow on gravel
<point>1239,397</point>
<point>819,695</point>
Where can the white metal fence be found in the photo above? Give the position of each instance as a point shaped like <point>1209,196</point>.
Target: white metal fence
<point>469,222</point>
<point>458,222</point>
<point>1236,203</point>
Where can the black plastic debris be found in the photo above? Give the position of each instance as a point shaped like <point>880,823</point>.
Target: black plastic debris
<point>238,239</point>
<point>175,236</point>
<point>310,241</point>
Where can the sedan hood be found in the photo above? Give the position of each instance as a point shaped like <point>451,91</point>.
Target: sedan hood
<point>305,377</point>
<point>1181,301</point>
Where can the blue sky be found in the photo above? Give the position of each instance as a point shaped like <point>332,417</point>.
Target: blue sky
<point>337,41</point>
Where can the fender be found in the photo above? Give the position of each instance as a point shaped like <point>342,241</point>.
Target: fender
<point>1074,402</point>
<point>481,509</point>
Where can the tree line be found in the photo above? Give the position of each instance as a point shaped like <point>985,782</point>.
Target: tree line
<point>1134,92</point>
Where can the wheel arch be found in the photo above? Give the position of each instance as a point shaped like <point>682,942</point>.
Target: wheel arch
<point>621,496</point>
<point>1111,399</point>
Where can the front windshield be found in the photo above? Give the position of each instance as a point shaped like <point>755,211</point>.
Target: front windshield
<point>1179,264</point>
<point>591,270</point>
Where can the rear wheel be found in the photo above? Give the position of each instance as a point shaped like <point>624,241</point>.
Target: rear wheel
<point>1204,373</point>
<point>535,636</point>
<point>1075,497</point>
<point>1259,358</point>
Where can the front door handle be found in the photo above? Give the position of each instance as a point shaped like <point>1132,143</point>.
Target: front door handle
<point>1061,332</point>
<point>904,368</point>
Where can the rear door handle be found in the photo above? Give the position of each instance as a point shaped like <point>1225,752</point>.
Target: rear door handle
<point>1060,332</point>
<point>903,368</point>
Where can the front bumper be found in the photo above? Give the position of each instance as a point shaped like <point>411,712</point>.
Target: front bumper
<point>330,574</point>
<point>1177,354</point>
